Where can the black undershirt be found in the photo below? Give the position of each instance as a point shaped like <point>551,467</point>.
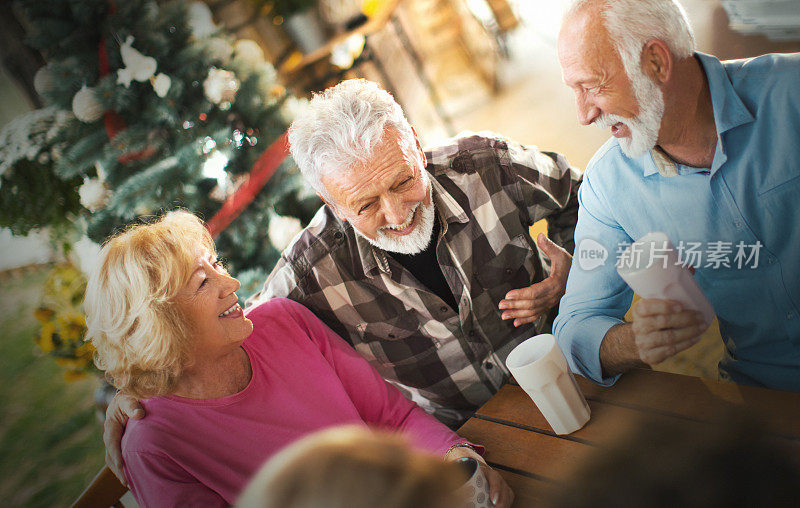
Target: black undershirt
<point>425,267</point>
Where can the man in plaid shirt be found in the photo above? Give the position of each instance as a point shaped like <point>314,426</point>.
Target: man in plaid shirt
<point>422,260</point>
<point>420,294</point>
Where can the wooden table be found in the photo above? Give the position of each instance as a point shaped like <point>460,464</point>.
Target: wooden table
<point>522,447</point>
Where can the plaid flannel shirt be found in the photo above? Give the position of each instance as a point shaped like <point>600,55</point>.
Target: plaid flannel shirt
<point>487,193</point>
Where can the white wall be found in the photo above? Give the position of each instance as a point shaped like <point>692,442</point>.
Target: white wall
<point>20,251</point>
<point>16,251</point>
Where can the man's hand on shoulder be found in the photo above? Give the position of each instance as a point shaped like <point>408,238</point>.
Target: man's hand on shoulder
<point>525,305</point>
<point>122,408</point>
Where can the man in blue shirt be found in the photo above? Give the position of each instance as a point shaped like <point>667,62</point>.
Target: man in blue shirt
<point>705,151</point>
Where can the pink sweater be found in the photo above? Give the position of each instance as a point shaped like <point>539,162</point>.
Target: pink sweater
<point>305,378</point>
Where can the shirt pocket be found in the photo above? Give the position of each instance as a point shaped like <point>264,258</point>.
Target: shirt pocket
<point>395,341</point>
<point>781,200</point>
<point>510,269</point>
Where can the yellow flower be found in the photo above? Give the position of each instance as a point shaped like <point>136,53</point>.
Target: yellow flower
<point>73,375</point>
<point>66,284</point>
<point>72,363</point>
<point>85,351</point>
<point>43,314</point>
<point>45,340</point>
<point>63,324</point>
<point>71,326</point>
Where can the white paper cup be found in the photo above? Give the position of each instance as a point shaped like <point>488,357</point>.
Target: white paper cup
<point>655,272</point>
<point>475,491</point>
<point>541,370</point>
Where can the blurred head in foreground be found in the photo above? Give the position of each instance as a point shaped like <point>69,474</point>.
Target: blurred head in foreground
<point>353,467</point>
<point>670,464</point>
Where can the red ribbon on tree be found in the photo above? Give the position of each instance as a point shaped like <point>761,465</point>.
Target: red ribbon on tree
<point>262,171</point>
<point>112,120</point>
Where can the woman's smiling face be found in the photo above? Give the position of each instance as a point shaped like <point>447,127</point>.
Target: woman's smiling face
<point>210,308</point>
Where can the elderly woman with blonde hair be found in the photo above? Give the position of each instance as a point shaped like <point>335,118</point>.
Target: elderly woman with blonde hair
<point>224,391</point>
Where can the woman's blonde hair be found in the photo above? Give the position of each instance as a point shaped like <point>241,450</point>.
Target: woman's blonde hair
<point>131,313</point>
<point>353,467</point>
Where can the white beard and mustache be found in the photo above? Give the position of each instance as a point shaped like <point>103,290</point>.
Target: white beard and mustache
<point>645,126</point>
<point>412,243</point>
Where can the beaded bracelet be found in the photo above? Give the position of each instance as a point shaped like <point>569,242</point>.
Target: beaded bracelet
<point>460,445</point>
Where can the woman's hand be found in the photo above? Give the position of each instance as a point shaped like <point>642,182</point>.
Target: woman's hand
<point>122,408</point>
<point>499,492</point>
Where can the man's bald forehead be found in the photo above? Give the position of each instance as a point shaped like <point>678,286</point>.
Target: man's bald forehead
<point>592,7</point>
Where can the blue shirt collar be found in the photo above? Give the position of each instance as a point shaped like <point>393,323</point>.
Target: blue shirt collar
<point>729,110</point>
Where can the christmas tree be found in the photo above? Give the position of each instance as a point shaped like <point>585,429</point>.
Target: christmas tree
<point>148,107</point>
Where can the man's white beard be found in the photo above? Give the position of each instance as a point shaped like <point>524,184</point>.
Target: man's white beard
<point>645,126</point>
<point>412,243</point>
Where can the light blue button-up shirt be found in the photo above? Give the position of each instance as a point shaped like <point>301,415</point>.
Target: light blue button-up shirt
<point>743,211</point>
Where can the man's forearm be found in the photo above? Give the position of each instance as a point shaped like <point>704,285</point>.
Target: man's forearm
<point>618,352</point>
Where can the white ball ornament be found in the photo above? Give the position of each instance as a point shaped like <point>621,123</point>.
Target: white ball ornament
<point>44,80</point>
<point>292,108</point>
<point>282,230</point>
<point>201,20</point>
<point>161,84</point>
<point>86,106</point>
<point>220,86</point>
<point>93,194</point>
<point>248,52</point>
<point>219,49</point>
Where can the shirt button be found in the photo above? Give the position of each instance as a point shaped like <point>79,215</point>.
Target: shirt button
<point>790,315</point>
<point>508,271</point>
<point>489,365</point>
<point>337,235</point>
<point>437,344</point>
<point>443,308</point>
<point>738,224</point>
<point>771,260</point>
<point>472,333</point>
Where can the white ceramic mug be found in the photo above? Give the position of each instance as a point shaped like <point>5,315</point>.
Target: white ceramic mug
<point>475,491</point>
<point>656,272</point>
<point>541,370</point>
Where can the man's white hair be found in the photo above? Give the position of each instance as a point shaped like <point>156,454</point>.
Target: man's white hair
<point>632,23</point>
<point>341,127</point>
